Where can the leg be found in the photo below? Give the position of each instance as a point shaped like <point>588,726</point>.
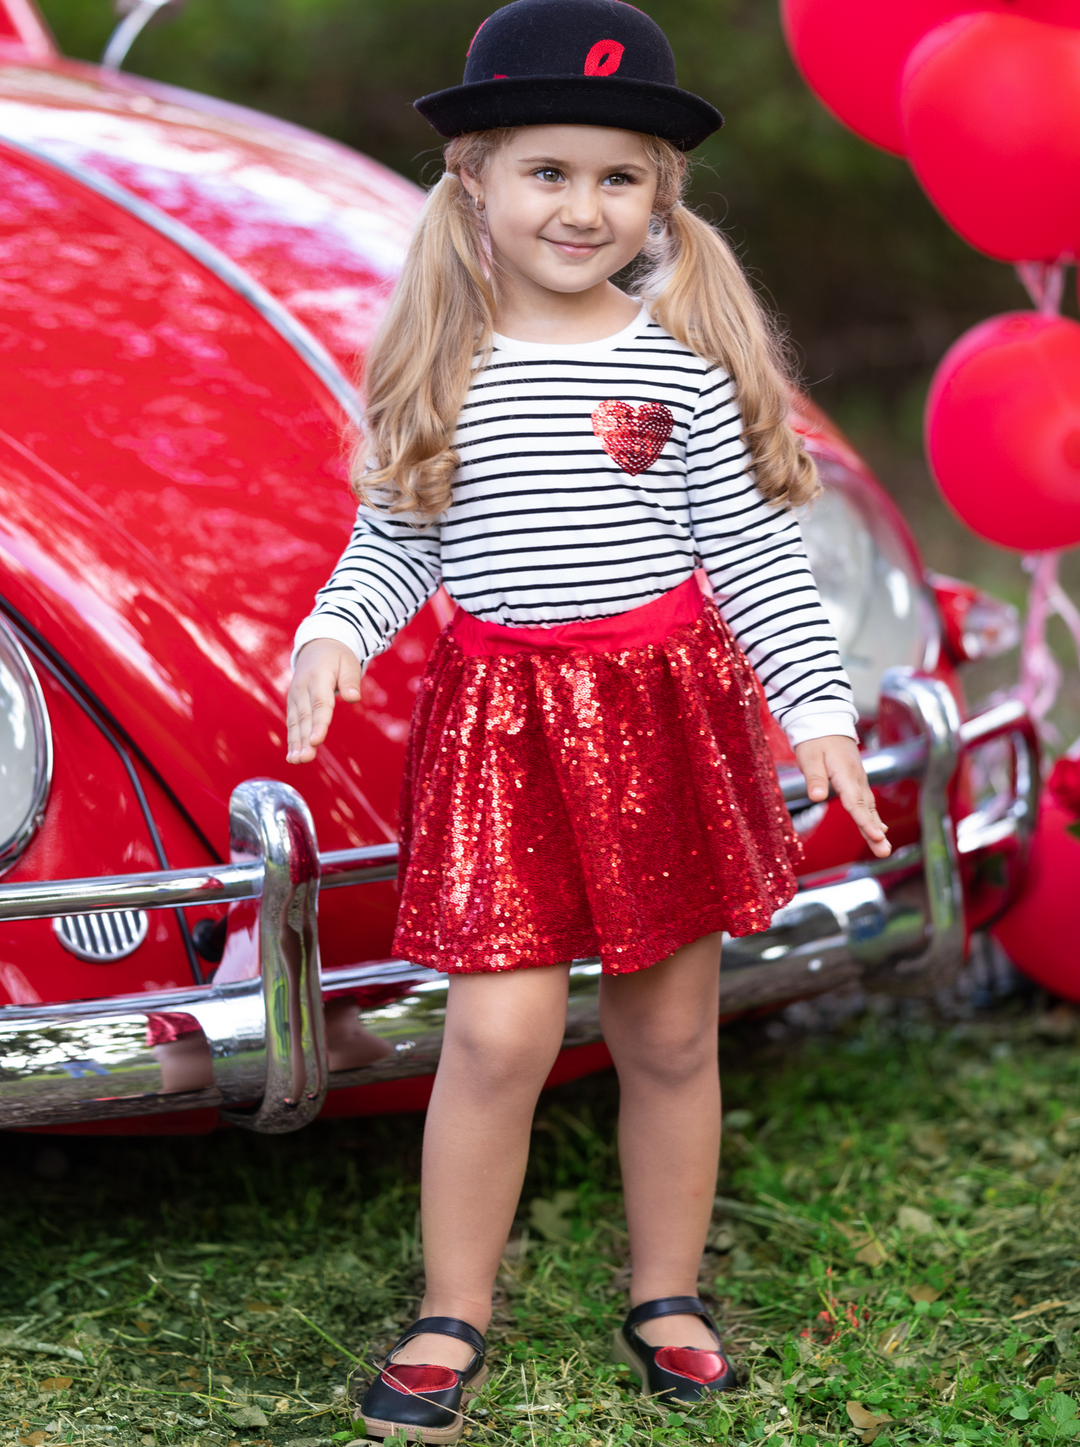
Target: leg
<point>185,1062</point>
<point>348,1043</point>
<point>660,1026</point>
<point>503,1032</point>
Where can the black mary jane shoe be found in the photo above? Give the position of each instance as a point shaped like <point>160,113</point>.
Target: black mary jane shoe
<point>683,1374</point>
<point>423,1403</point>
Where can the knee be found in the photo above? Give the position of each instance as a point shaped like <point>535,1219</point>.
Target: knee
<point>500,1059</point>
<point>668,1054</point>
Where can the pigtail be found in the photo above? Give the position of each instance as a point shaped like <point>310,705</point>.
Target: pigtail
<point>699,293</point>
<point>420,363</point>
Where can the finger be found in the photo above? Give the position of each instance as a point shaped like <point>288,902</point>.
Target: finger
<point>309,712</point>
<point>858,800</point>
<point>295,745</point>
<point>860,804</point>
<point>816,774</point>
<point>349,677</point>
<point>322,711</point>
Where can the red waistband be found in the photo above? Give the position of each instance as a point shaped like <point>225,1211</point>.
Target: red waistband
<point>651,623</point>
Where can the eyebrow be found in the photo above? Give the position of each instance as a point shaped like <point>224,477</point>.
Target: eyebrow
<point>567,165</point>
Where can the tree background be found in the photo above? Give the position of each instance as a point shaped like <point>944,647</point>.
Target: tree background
<point>869,281</point>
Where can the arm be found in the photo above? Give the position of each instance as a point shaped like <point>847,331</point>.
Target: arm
<point>754,555</point>
<point>384,577</point>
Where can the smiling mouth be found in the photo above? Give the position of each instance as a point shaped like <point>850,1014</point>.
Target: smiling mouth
<point>573,248</point>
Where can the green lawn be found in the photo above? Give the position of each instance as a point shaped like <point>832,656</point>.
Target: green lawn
<point>895,1258</point>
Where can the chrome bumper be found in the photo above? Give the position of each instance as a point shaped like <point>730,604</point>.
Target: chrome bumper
<point>89,1060</point>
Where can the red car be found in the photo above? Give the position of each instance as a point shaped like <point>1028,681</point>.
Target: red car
<point>186,289</point>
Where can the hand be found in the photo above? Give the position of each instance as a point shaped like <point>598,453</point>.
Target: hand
<point>835,760</point>
<point>324,668</point>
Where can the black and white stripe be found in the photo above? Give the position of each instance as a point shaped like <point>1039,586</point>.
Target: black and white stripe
<point>546,528</point>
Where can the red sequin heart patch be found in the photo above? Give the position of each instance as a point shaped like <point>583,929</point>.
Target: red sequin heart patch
<point>633,436</point>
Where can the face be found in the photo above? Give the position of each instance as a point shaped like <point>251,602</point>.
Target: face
<point>566,206</point>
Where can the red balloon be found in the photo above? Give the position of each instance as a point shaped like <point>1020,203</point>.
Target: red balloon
<point>991,111</point>
<point>1039,933</point>
<point>1003,430</point>
<point>852,52</point>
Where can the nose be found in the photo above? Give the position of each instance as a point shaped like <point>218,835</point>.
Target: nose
<point>582,207</point>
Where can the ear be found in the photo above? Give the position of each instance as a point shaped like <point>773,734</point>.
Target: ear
<point>471,184</point>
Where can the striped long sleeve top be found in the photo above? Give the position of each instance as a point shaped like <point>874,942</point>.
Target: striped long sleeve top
<point>595,477</point>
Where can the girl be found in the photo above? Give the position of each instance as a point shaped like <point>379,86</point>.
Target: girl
<point>587,771</point>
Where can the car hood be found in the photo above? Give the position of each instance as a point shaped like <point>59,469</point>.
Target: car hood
<point>173,496</point>
<point>322,228</point>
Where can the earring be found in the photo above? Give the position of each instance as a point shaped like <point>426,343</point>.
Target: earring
<point>478,202</point>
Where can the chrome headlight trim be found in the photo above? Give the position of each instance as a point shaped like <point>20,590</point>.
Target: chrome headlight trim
<point>15,661</point>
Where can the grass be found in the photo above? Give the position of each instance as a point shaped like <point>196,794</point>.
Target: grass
<point>894,1257</point>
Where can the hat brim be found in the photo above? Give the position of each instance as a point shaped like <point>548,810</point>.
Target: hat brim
<point>675,115</point>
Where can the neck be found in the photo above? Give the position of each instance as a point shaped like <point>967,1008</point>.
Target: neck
<point>535,314</point>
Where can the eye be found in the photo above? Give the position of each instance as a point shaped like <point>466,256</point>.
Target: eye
<point>619,178</point>
<point>548,173</point>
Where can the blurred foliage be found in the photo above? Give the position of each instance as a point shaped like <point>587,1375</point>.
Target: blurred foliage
<point>871,282</point>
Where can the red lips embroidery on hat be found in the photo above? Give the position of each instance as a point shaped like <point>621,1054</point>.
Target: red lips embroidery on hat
<point>633,436</point>
<point>604,58</point>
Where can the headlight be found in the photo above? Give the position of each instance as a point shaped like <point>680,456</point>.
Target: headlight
<point>869,583</point>
<point>25,749</point>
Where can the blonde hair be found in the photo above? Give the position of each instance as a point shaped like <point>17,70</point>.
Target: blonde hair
<point>421,361</point>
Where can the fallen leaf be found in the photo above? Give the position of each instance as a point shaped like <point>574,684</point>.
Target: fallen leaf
<point>328,1360</point>
<point>871,1254</point>
<point>930,1141</point>
<point>145,1327</point>
<point>869,1423</point>
<point>549,1217</point>
<point>919,1223</point>
<point>925,1292</point>
<point>889,1342</point>
<point>870,1251</point>
<point>249,1417</point>
<point>55,1384</point>
<point>35,1439</point>
<point>258,1306</point>
<point>862,1417</point>
<point>1035,1310</point>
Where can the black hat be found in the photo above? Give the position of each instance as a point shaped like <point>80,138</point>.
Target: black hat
<point>571,62</point>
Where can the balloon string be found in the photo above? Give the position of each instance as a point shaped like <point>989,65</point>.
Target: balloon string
<point>1069,614</point>
<point>1044,282</point>
<point>1040,673</point>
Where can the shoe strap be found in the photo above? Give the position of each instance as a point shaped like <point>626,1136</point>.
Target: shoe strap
<point>670,1306</point>
<point>442,1326</point>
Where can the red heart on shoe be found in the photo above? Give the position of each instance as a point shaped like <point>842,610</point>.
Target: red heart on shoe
<point>692,1362</point>
<point>633,436</point>
<point>412,1379</point>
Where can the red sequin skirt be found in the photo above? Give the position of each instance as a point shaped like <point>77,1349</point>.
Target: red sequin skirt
<point>599,788</point>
